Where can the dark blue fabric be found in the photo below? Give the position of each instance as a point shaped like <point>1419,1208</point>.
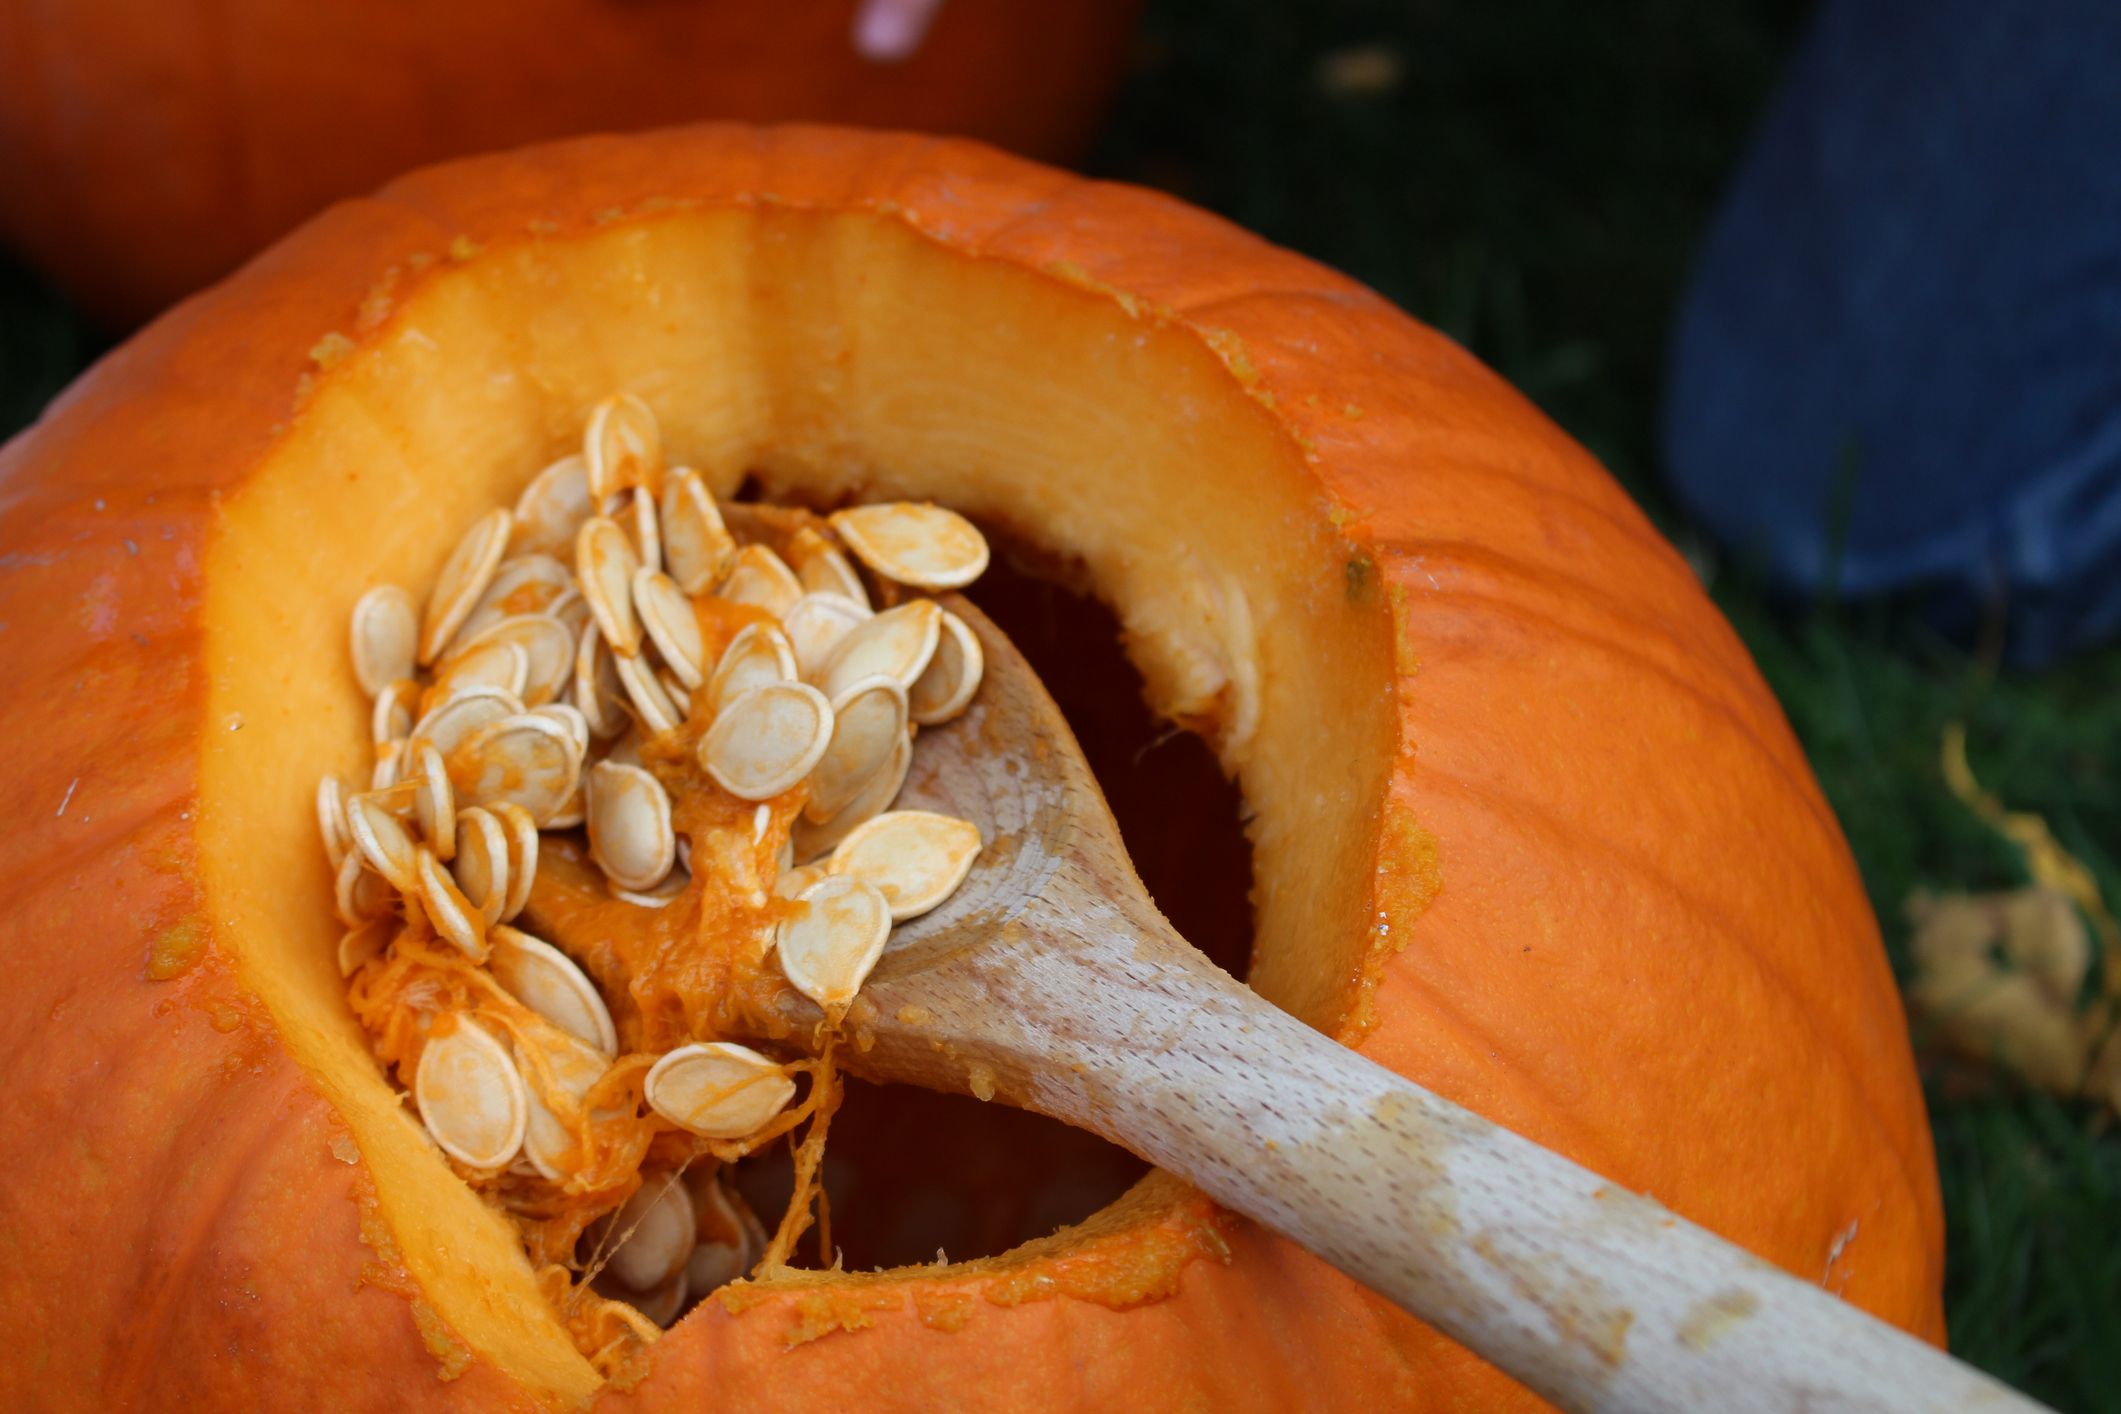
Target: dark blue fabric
<point>1909,309</point>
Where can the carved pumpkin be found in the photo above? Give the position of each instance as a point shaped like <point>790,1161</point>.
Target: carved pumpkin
<point>147,147</point>
<point>1527,824</point>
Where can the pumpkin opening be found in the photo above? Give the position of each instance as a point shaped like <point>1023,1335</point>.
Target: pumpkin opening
<point>830,355</point>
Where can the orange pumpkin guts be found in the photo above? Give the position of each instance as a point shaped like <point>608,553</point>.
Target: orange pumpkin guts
<point>147,147</point>
<point>1527,825</point>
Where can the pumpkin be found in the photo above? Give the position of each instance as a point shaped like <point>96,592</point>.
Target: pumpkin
<point>148,147</point>
<point>1527,825</point>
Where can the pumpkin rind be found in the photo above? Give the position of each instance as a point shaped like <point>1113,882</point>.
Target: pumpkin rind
<point>1614,911</point>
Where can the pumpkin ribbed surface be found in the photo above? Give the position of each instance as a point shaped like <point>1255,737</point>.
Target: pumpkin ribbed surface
<point>1528,825</point>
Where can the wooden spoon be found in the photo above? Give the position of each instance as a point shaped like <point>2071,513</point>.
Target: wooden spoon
<point>1050,981</point>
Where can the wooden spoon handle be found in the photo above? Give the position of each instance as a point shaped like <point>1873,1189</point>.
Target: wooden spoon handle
<point>1592,1295</point>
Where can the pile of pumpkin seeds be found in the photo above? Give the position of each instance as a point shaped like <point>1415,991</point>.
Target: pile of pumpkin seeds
<point>559,637</point>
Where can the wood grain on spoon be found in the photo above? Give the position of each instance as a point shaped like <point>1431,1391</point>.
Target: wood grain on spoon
<point>1050,981</point>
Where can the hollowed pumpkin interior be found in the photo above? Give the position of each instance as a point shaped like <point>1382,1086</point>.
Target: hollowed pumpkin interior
<point>832,356</point>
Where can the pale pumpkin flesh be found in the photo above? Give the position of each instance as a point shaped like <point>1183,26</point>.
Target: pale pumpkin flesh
<point>835,357</point>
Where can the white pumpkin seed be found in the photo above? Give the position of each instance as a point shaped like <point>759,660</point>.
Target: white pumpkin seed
<point>486,664</point>
<point>895,644</point>
<point>434,802</point>
<point>521,827</point>
<point>759,654</point>
<point>760,578</point>
<point>572,719</point>
<point>604,564</point>
<point>654,1230</point>
<point>827,950</point>
<point>668,616</point>
<point>823,568</point>
<point>527,584</point>
<point>597,690</point>
<point>767,740</point>
<point>663,1305</point>
<point>636,512</point>
<point>483,862</point>
<point>946,687</point>
<point>548,651</point>
<point>385,637</point>
<point>868,721</point>
<point>730,1238</point>
<point>575,1068</point>
<point>383,840</point>
<point>359,892</point>
<point>546,980</point>
<point>816,625</point>
<point>698,549</point>
<point>792,882</point>
<point>922,545</point>
<point>622,446</point>
<point>331,818</point>
<point>452,721</point>
<point>392,717</point>
<point>718,1089</point>
<point>363,943</point>
<point>529,760</point>
<point>680,695</point>
<point>651,704</point>
<point>465,577</point>
<point>662,895</point>
<point>810,840</point>
<point>470,1098</point>
<point>629,826</point>
<point>553,507</point>
<point>455,918</point>
<point>915,858</point>
<point>571,814</point>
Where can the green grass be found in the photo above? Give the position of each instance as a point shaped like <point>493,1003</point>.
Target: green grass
<point>1532,184</point>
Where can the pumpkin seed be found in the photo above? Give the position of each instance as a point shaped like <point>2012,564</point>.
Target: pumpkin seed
<point>385,772</point>
<point>553,507</point>
<point>663,1305</point>
<point>760,578</point>
<point>792,882</point>
<point>522,830</point>
<point>759,654</point>
<point>680,695</point>
<point>572,610</point>
<point>868,721</point>
<point>570,815</point>
<point>915,858</point>
<point>718,1089</point>
<point>767,740</point>
<point>816,625</point>
<point>828,949</point>
<point>810,840</point>
<point>471,1098</point>
<point>364,942</point>
<point>527,584</point>
<point>548,651</point>
<point>623,446</point>
<point>465,576</point>
<point>571,718</point>
<point>483,862</point>
<point>672,624</point>
<point>629,826</point>
<point>655,1229</point>
<point>635,511</point>
<point>383,841</point>
<point>698,548</point>
<point>546,980</point>
<point>604,563</point>
<point>597,690</point>
<point>452,721</point>
<point>331,818</point>
<point>385,637</point>
<point>651,704</point>
<point>946,687</point>
<point>489,664</point>
<point>391,718</point>
<point>529,760</point>
<point>434,802</point>
<point>455,917</point>
<point>730,1238</point>
<point>359,892</point>
<point>823,568</point>
<point>896,644</point>
<point>922,545</point>
<point>662,895</point>
<point>576,1068</point>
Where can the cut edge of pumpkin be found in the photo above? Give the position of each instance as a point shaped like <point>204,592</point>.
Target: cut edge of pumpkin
<point>532,325</point>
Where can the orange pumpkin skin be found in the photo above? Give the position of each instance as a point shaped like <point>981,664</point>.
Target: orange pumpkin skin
<point>1649,948</point>
<point>147,147</point>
